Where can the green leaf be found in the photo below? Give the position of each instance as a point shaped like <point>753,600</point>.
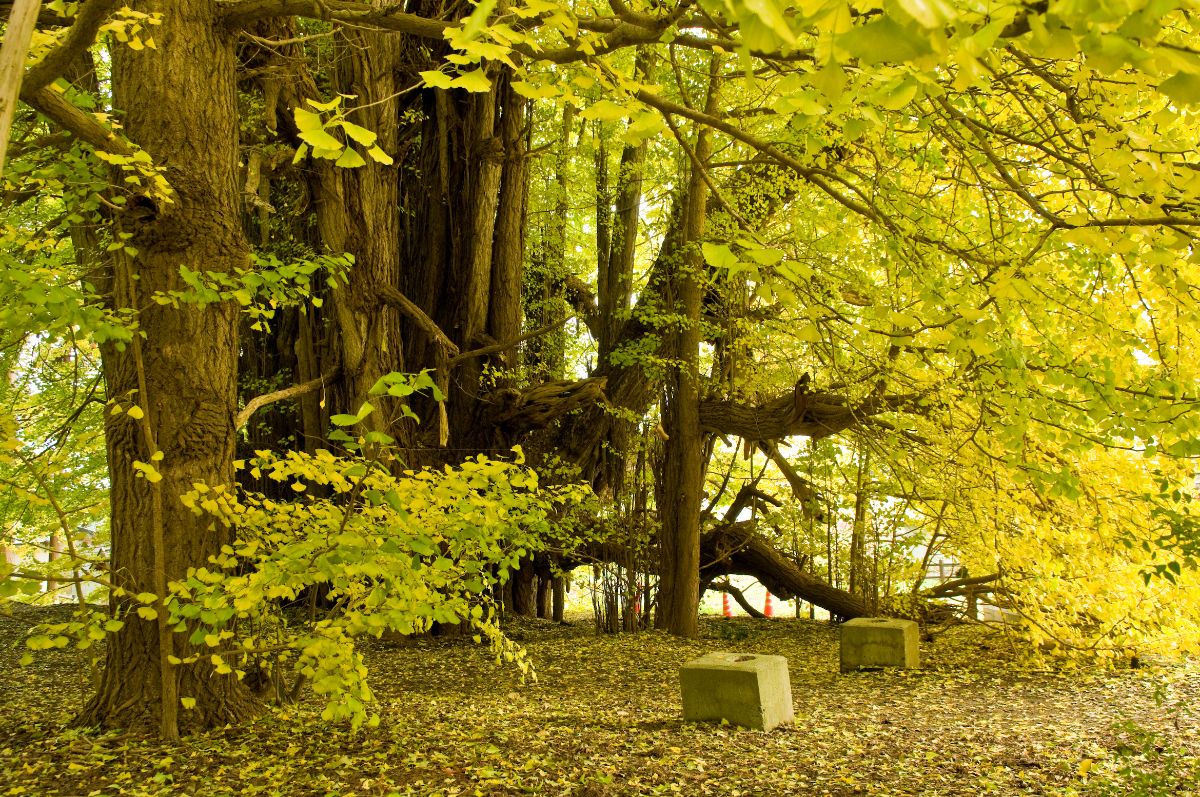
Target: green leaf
<point>307,121</point>
<point>1183,88</point>
<point>475,81</point>
<point>321,140</point>
<point>929,13</point>
<point>532,92</point>
<point>605,111</point>
<point>343,419</point>
<point>478,19</point>
<point>350,159</point>
<point>899,95</point>
<point>436,79</point>
<point>326,106</point>
<point>379,156</point>
<point>772,16</point>
<point>719,255</point>
<point>360,135</point>
<point>147,612</point>
<point>884,41</point>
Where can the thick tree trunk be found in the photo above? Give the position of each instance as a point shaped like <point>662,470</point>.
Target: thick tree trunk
<point>179,103</point>
<point>524,592</point>
<point>358,209</point>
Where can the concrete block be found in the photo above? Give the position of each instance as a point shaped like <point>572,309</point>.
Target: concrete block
<point>743,688</point>
<point>870,642</point>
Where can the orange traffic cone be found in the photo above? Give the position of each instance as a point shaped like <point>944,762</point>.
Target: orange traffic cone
<point>768,609</point>
<point>725,610</point>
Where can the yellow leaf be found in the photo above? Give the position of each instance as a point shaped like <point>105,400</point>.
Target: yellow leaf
<point>188,702</point>
<point>147,612</point>
<point>1084,767</point>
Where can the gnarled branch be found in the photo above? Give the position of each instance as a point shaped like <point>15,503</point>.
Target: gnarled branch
<point>823,414</point>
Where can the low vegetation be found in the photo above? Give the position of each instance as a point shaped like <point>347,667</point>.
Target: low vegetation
<point>603,718</point>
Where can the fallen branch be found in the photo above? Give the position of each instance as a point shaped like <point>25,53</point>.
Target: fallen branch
<point>729,589</point>
<point>961,586</point>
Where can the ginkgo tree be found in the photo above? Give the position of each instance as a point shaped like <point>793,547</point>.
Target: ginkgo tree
<point>960,234</point>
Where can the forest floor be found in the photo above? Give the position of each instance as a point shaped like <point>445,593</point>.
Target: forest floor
<point>603,719</point>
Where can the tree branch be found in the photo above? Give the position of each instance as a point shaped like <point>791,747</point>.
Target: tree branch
<point>391,17</point>
<point>82,125</point>
<point>504,345</point>
<point>258,402</point>
<point>729,589</point>
<point>823,415</point>
<point>961,586</point>
<point>82,35</point>
<point>405,305</point>
<point>12,58</point>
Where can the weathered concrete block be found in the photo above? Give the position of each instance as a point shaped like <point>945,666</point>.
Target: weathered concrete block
<point>879,642</point>
<point>743,688</point>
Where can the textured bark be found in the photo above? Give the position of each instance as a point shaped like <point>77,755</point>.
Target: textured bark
<point>813,415</point>
<point>619,237</point>
<point>524,591</point>
<point>179,103</point>
<point>508,255</point>
<point>544,292</point>
<point>544,605</point>
<point>363,205</point>
<point>559,599</point>
<point>737,549</point>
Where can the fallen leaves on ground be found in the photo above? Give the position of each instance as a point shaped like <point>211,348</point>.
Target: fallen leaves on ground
<point>603,720</point>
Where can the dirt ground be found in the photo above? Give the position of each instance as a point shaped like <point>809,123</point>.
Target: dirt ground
<point>604,719</point>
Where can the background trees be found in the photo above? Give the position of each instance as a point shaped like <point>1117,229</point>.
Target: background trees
<point>957,243</point>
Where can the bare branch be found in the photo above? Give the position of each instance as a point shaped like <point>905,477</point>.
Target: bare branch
<point>505,345</point>
<point>258,402</point>
<point>405,305</point>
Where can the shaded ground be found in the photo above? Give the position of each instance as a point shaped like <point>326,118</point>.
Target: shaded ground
<point>603,720</point>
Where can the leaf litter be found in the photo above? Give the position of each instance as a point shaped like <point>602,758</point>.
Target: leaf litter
<point>603,719</point>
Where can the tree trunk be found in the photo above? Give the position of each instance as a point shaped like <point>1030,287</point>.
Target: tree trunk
<point>524,591</point>
<point>559,599</point>
<point>683,473</point>
<point>179,103</point>
<point>858,530</point>
<point>544,609</point>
